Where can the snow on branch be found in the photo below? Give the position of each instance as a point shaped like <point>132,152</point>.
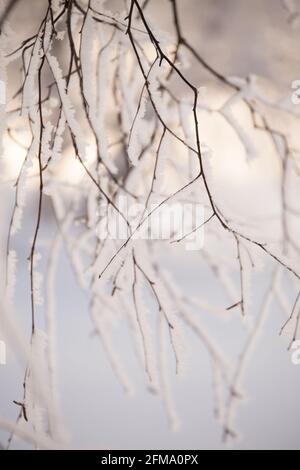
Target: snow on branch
<point>117,158</point>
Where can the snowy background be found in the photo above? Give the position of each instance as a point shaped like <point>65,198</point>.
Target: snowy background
<point>238,37</point>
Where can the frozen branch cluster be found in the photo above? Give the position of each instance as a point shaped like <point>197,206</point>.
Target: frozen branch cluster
<point>98,120</point>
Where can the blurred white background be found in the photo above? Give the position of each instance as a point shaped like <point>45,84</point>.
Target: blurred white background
<point>237,37</point>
